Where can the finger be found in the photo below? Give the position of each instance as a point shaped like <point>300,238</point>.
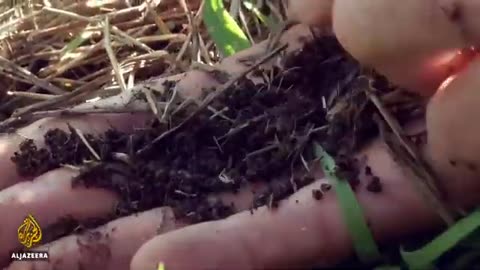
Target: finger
<point>454,145</point>
<point>294,38</point>
<point>48,198</point>
<point>51,197</point>
<point>311,12</point>
<point>414,43</point>
<point>108,247</point>
<point>94,124</point>
<point>302,231</point>
<point>113,245</point>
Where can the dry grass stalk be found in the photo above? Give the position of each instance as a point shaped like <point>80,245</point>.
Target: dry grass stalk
<point>57,55</point>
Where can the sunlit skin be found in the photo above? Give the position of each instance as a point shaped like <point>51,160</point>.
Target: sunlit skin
<point>297,234</point>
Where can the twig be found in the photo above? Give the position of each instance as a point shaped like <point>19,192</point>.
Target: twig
<point>112,57</point>
<point>66,81</point>
<point>71,167</point>
<point>426,182</point>
<point>223,176</point>
<point>274,38</point>
<point>234,8</point>
<point>19,20</point>
<point>61,67</point>
<point>204,50</point>
<point>91,86</point>
<point>243,20</point>
<point>219,113</point>
<point>117,13</point>
<point>148,56</point>
<point>166,37</point>
<point>122,157</point>
<point>406,160</point>
<point>193,27</point>
<point>86,111</point>
<point>172,98</point>
<point>319,129</point>
<point>184,47</point>
<point>304,162</point>
<point>9,75</point>
<point>158,20</point>
<point>131,39</point>
<point>241,127</point>
<point>151,102</point>
<point>275,11</point>
<point>398,131</point>
<point>69,14</point>
<point>13,122</point>
<point>183,105</point>
<point>218,145</point>
<point>261,151</point>
<point>84,140</point>
<point>7,13</point>
<point>6,64</point>
<point>35,96</point>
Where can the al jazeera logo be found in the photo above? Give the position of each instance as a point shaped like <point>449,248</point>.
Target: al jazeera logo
<point>29,234</point>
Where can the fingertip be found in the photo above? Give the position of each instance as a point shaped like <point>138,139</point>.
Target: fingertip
<point>425,76</point>
<point>208,245</point>
<point>413,43</point>
<point>166,250</point>
<point>145,259</point>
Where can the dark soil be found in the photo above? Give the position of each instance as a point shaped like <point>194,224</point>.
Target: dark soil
<point>374,185</point>
<point>263,133</point>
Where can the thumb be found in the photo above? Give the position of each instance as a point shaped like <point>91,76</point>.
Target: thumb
<point>415,43</point>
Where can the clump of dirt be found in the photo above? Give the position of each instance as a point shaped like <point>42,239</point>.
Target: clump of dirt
<point>255,132</point>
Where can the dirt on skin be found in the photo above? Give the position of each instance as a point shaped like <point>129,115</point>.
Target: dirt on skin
<point>258,133</point>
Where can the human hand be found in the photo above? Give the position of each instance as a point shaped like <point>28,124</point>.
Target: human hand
<point>296,234</point>
<point>429,47</point>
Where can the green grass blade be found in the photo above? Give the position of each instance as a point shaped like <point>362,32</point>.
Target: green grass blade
<point>224,30</point>
<point>363,242</point>
<point>76,42</point>
<point>425,257</point>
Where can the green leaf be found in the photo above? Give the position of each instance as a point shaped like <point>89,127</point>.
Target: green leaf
<point>363,242</point>
<point>225,32</point>
<point>425,257</point>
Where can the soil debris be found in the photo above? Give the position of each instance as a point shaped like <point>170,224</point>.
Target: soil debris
<point>375,185</point>
<point>368,170</point>
<point>471,166</point>
<point>317,194</point>
<point>264,133</point>
<point>324,187</point>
